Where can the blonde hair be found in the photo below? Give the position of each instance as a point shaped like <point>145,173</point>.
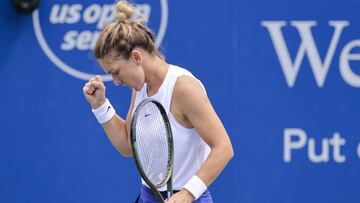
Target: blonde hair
<point>125,34</point>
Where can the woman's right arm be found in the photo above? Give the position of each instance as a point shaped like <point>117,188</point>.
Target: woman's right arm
<point>117,129</point>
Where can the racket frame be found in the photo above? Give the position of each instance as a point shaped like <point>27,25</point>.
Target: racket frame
<point>170,141</point>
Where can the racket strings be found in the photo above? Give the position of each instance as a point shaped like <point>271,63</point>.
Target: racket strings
<point>152,144</point>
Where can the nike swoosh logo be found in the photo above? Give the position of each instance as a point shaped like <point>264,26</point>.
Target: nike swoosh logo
<point>146,115</point>
<point>109,107</point>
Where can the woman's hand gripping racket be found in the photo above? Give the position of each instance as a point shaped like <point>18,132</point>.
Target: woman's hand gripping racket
<point>152,146</point>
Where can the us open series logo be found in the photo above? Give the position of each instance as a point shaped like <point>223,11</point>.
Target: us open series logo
<point>67,32</point>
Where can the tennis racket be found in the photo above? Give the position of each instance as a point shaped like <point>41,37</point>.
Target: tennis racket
<point>152,146</point>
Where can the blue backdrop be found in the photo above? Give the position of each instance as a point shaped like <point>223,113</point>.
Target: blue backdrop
<point>283,76</point>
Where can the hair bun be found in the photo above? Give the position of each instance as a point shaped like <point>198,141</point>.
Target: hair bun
<point>124,11</point>
<point>127,13</point>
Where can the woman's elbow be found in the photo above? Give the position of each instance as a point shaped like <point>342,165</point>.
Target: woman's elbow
<point>126,154</point>
<point>227,149</point>
<point>230,151</point>
<point>224,150</point>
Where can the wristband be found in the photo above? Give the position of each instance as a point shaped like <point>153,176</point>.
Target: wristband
<point>195,186</point>
<point>104,113</point>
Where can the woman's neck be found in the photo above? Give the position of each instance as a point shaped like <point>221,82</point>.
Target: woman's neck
<point>156,74</point>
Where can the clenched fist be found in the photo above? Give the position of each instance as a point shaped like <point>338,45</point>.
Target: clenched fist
<point>94,92</point>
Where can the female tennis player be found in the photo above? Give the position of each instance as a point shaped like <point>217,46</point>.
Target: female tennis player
<point>202,148</point>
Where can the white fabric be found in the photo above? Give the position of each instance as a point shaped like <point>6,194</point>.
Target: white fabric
<point>104,113</point>
<point>190,150</point>
<point>195,186</point>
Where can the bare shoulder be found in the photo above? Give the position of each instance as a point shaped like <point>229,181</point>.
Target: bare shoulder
<point>194,105</point>
<point>189,94</point>
<point>187,85</point>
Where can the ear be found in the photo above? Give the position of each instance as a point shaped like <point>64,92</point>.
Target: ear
<point>136,56</point>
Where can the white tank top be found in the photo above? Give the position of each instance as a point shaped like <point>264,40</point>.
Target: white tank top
<point>190,150</point>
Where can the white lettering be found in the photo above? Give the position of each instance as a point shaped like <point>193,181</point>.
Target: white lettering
<point>74,14</point>
<point>336,141</point>
<point>307,46</point>
<point>348,75</point>
<point>142,10</point>
<point>324,156</point>
<point>95,13</point>
<point>82,41</point>
<point>69,40</point>
<point>94,39</point>
<point>289,144</point>
<point>55,16</point>
<point>107,16</point>
<point>92,14</point>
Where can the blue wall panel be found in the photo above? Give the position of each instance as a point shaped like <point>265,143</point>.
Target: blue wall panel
<point>263,64</point>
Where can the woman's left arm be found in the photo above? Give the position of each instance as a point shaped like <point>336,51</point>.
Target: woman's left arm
<point>193,103</point>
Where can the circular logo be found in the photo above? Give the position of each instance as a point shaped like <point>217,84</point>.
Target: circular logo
<point>67,32</point>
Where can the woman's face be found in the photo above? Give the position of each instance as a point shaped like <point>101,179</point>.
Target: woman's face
<point>125,72</point>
